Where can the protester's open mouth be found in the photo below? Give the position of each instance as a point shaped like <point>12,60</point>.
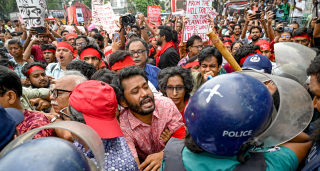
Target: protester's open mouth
<point>147,103</point>
<point>61,58</point>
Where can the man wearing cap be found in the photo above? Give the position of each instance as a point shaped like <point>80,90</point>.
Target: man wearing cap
<point>49,53</point>
<point>71,39</point>
<point>266,51</point>
<point>139,50</point>
<point>91,55</point>
<point>64,55</point>
<point>101,117</point>
<point>9,119</point>
<point>145,118</point>
<point>131,35</point>
<point>259,63</point>
<point>11,93</point>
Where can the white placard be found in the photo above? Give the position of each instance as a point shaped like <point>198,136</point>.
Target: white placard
<point>105,17</point>
<point>32,12</point>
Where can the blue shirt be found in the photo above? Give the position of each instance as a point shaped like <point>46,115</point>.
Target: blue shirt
<point>117,154</point>
<point>152,74</point>
<point>18,68</point>
<point>283,160</point>
<point>54,70</point>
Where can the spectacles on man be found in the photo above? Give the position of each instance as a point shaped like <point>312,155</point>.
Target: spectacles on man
<point>139,52</point>
<point>61,111</point>
<point>55,92</point>
<point>81,44</point>
<point>285,36</point>
<point>179,89</point>
<point>198,47</point>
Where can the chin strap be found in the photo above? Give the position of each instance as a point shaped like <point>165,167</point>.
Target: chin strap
<point>253,142</point>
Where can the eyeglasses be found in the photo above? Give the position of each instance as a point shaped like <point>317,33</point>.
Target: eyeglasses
<point>179,89</point>
<point>283,36</point>
<point>61,111</point>
<point>139,52</point>
<point>198,47</point>
<point>55,92</point>
<point>80,44</point>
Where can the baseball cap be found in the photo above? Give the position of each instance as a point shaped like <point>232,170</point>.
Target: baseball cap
<point>97,101</point>
<point>130,34</point>
<point>8,124</point>
<point>258,63</point>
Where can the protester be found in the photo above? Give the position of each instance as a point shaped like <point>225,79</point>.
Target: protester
<point>71,39</point>
<point>167,56</point>
<point>193,46</point>
<point>210,60</point>
<point>16,50</point>
<point>36,75</point>
<point>11,92</point>
<point>81,41</point>
<point>285,5</point>
<point>193,64</point>
<point>99,39</point>
<point>101,117</point>
<point>302,36</point>
<point>177,84</point>
<point>298,10</point>
<point>141,118</point>
<point>138,48</point>
<point>49,53</point>
<point>92,55</point>
<point>64,55</point>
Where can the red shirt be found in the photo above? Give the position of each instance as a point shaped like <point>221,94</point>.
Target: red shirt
<point>144,139</point>
<point>33,120</point>
<point>182,113</point>
<point>37,53</point>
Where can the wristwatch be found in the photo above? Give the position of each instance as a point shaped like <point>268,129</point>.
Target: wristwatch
<point>142,27</point>
<point>55,118</point>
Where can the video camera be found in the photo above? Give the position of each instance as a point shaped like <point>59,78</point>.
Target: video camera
<point>128,19</point>
<point>284,28</point>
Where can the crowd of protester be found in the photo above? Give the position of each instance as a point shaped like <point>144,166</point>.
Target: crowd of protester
<point>133,89</point>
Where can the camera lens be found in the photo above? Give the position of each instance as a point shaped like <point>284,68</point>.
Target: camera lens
<point>125,20</point>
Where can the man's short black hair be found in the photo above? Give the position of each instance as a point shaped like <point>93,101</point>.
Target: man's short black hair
<point>25,68</point>
<point>98,36</point>
<point>6,20</point>
<point>314,68</point>
<point>47,47</point>
<point>208,53</point>
<point>302,31</point>
<point>166,31</point>
<point>126,73</point>
<point>185,74</point>
<point>117,56</point>
<point>15,41</point>
<point>241,21</point>
<point>234,26</point>
<point>255,27</point>
<point>82,48</point>
<point>84,37</point>
<point>294,22</point>
<point>63,31</point>
<point>5,62</point>
<point>145,44</point>
<point>175,38</point>
<point>244,51</point>
<point>95,30</point>
<point>135,26</point>
<point>191,40</point>
<point>86,69</point>
<point>9,80</point>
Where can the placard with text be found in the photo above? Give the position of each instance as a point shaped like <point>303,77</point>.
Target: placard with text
<point>32,12</point>
<point>154,14</point>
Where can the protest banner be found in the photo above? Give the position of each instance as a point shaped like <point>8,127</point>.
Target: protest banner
<point>106,18</point>
<point>154,14</point>
<point>32,12</point>
<point>95,16</point>
<point>197,11</point>
<point>79,15</point>
<point>71,29</point>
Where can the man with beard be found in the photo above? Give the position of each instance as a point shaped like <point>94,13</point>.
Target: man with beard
<point>255,34</point>
<point>35,46</point>
<point>49,53</point>
<point>139,50</point>
<point>99,39</point>
<point>236,32</point>
<point>36,75</point>
<point>167,56</point>
<point>81,41</point>
<point>91,55</point>
<point>64,56</point>
<point>147,122</point>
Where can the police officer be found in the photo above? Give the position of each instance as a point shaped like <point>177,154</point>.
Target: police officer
<point>235,119</point>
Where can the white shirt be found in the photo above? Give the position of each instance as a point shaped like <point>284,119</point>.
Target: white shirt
<point>302,5</point>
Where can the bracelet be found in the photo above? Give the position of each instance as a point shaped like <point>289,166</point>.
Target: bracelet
<point>55,118</point>
<point>317,21</point>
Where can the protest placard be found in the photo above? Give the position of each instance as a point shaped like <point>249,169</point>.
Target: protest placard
<point>79,15</point>
<point>106,18</point>
<point>32,12</point>
<point>154,14</point>
<point>197,11</point>
<point>95,17</point>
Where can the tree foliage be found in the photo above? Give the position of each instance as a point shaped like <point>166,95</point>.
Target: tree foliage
<point>6,7</point>
<point>140,5</point>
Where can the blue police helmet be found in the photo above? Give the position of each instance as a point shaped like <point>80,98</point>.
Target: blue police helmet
<point>227,112</point>
<point>49,153</point>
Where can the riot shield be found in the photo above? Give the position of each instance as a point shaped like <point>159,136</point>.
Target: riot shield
<point>84,132</point>
<point>292,60</point>
<point>294,113</point>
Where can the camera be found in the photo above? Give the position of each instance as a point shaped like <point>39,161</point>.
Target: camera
<point>284,28</point>
<point>258,15</point>
<point>128,19</point>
